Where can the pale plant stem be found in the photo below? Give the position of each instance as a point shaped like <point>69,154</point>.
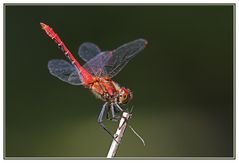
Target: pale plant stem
<point>118,135</point>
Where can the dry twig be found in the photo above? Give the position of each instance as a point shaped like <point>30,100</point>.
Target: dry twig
<point>118,135</point>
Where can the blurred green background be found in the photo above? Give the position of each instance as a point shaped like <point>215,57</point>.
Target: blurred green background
<point>182,82</point>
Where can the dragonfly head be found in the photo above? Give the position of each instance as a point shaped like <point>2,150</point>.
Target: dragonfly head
<point>125,95</point>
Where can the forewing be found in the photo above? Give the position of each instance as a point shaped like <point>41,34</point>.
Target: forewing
<point>88,51</point>
<point>96,66</point>
<point>122,55</point>
<point>64,71</point>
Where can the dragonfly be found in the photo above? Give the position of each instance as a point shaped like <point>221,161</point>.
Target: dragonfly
<point>97,73</point>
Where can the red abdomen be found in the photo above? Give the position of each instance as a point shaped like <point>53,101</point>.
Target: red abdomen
<point>86,76</point>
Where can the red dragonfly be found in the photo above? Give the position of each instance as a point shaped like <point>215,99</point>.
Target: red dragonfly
<point>97,72</point>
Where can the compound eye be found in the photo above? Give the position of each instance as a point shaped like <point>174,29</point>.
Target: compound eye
<point>124,96</point>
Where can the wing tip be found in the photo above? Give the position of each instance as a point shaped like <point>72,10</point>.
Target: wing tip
<point>144,41</point>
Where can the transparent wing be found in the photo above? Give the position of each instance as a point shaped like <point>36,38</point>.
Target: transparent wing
<point>96,65</point>
<point>88,51</point>
<point>122,55</point>
<point>64,71</point>
<point>111,63</point>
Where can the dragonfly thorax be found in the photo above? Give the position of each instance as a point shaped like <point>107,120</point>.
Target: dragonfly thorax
<point>108,90</point>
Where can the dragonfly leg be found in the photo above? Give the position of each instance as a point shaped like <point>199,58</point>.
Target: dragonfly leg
<point>114,117</point>
<point>112,111</point>
<point>101,116</point>
<point>118,107</point>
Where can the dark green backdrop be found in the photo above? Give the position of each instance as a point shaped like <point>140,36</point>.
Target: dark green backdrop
<point>182,81</point>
